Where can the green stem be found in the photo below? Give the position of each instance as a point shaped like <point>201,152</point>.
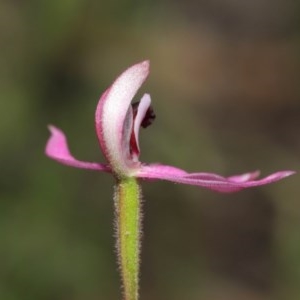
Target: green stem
<point>128,221</point>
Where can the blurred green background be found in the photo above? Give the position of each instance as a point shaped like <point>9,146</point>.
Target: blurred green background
<point>225,88</point>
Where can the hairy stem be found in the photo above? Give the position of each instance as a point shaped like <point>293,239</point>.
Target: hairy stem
<point>128,223</point>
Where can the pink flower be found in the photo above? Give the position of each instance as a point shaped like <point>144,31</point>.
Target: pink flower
<point>117,124</point>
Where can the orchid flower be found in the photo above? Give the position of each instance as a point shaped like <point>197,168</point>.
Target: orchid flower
<point>117,126</point>
<point>117,123</point>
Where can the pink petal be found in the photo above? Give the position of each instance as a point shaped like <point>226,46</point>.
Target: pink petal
<point>161,169</point>
<point>57,149</point>
<point>110,116</point>
<point>209,180</point>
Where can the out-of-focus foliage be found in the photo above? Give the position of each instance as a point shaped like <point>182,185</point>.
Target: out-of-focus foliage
<point>225,87</point>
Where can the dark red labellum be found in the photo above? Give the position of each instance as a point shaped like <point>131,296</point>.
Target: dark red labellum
<point>149,116</point>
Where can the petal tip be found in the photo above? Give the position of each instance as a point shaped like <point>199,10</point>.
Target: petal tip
<point>56,135</point>
<point>288,173</point>
<point>146,63</point>
<point>52,128</point>
<point>144,66</point>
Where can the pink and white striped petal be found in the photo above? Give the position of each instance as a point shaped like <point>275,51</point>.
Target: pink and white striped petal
<point>110,117</point>
<point>57,148</point>
<point>236,178</point>
<point>209,180</point>
<point>244,177</point>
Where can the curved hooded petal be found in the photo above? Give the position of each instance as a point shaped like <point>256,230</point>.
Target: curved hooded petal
<point>209,180</point>
<point>57,149</point>
<point>114,120</point>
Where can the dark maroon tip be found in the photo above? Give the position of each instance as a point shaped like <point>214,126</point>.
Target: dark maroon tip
<point>149,116</point>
